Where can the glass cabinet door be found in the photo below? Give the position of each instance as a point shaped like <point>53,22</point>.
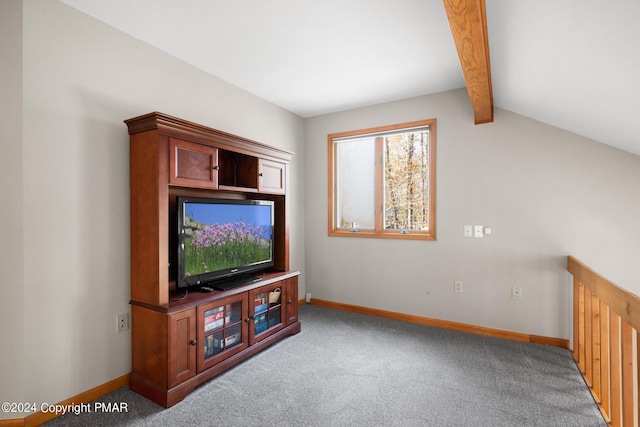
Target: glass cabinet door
<point>223,331</point>
<point>267,312</point>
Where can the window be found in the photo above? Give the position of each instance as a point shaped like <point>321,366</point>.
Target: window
<point>382,182</point>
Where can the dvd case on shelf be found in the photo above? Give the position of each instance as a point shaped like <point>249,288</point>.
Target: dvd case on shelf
<point>213,319</point>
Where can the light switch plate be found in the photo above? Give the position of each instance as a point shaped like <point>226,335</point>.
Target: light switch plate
<point>516,292</point>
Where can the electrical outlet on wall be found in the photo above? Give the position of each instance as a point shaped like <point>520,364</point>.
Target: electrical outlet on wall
<point>123,322</point>
<point>458,286</point>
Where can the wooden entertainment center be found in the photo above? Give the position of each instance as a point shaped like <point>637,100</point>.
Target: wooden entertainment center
<point>181,338</point>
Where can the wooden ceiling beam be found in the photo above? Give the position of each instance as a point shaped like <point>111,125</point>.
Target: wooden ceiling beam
<point>468,22</point>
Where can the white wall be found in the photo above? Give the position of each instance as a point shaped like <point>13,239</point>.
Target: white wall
<point>12,337</point>
<point>81,79</point>
<point>545,192</point>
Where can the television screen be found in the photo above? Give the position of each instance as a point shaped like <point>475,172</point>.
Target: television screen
<point>220,238</point>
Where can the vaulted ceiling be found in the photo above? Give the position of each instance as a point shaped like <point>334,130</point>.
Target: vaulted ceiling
<point>573,64</point>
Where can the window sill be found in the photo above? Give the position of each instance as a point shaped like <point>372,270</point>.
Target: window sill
<point>414,235</point>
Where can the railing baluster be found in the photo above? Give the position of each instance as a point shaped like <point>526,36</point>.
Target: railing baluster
<point>616,372</point>
<point>605,364</point>
<point>581,327</point>
<point>588,338</point>
<point>635,363</point>
<point>626,359</point>
<point>596,351</point>
<point>577,290</point>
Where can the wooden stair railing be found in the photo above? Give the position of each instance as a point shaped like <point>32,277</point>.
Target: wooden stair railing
<point>606,319</point>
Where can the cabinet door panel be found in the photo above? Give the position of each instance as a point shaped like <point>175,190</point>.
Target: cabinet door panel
<point>267,311</point>
<point>182,349</point>
<point>193,165</point>
<point>271,177</point>
<point>292,300</point>
<point>222,330</point>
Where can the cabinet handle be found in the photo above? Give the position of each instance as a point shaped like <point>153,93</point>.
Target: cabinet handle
<point>194,342</point>
<point>248,319</point>
<point>216,167</point>
<point>260,174</point>
<point>289,301</point>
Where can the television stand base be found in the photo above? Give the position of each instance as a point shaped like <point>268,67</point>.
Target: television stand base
<point>227,284</point>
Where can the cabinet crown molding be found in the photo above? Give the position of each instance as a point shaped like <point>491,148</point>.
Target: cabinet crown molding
<point>174,126</point>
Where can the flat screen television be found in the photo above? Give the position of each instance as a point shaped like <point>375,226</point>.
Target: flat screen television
<point>222,239</point>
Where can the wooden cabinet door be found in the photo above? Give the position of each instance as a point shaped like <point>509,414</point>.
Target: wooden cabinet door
<point>222,329</point>
<point>182,346</point>
<point>193,165</point>
<point>292,300</point>
<point>271,177</point>
<point>267,311</point>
